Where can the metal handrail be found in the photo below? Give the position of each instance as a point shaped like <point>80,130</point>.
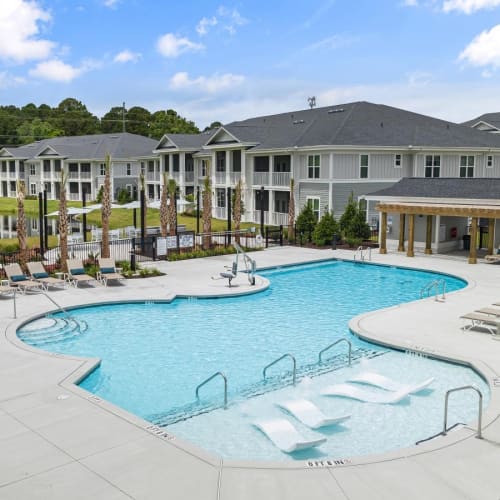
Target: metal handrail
<point>434,284</point>
<point>278,360</point>
<point>61,308</point>
<point>335,343</point>
<point>360,250</point>
<point>480,410</point>
<point>217,374</point>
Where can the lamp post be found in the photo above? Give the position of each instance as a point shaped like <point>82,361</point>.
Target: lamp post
<point>41,218</point>
<point>260,194</point>
<point>197,209</point>
<point>176,197</point>
<point>228,202</point>
<point>45,220</point>
<point>84,217</point>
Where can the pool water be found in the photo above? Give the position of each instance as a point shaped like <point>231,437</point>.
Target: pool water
<point>155,354</point>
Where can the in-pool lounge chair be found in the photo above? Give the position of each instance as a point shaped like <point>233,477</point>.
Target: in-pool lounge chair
<point>285,436</point>
<point>309,414</point>
<point>388,384</point>
<point>19,280</point>
<point>353,392</point>
<point>107,272</point>
<point>40,274</point>
<point>479,320</point>
<point>76,273</point>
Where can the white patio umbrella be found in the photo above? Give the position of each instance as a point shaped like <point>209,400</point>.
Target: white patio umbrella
<point>72,211</point>
<point>98,206</point>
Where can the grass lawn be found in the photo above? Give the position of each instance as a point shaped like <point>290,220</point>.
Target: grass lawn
<point>119,218</point>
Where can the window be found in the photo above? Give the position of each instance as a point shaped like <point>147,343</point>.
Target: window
<point>314,204</point>
<point>467,166</point>
<point>221,197</point>
<point>33,189</point>
<point>151,166</point>
<point>33,171</point>
<point>57,165</point>
<point>397,161</point>
<point>189,163</point>
<point>129,169</point>
<point>102,169</point>
<point>12,166</point>
<point>237,160</point>
<point>363,166</point>
<point>175,166</point>
<point>4,166</point>
<point>220,164</point>
<point>46,187</point>
<point>46,166</point>
<point>313,165</point>
<point>204,168</point>
<point>489,161</point>
<point>13,187</point>
<point>21,167</point>
<point>432,165</point>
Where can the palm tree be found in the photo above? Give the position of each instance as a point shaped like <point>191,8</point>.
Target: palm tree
<point>291,212</point>
<point>21,223</point>
<point>172,206</point>
<point>63,221</point>
<point>207,210</point>
<point>237,209</point>
<point>106,208</point>
<point>164,206</point>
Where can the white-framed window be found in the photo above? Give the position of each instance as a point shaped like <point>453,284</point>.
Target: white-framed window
<point>363,166</point>
<point>33,189</point>
<point>432,165</point>
<point>314,203</point>
<point>130,189</point>
<point>467,166</point>
<point>489,161</point>
<point>204,168</point>
<point>46,187</point>
<point>398,161</point>
<point>129,169</point>
<point>102,169</point>
<point>313,166</point>
<point>33,170</point>
<point>220,194</point>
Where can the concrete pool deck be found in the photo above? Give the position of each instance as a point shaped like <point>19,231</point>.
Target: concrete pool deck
<point>59,442</point>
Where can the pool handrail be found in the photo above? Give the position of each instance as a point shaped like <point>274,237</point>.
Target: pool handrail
<point>287,355</point>
<point>216,374</point>
<point>334,344</point>
<point>434,285</point>
<point>480,409</point>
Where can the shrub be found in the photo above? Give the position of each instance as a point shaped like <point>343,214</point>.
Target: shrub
<point>352,223</point>
<point>306,221</point>
<point>325,229</point>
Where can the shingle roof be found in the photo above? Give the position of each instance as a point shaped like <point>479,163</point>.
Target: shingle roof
<point>118,145</point>
<point>443,187</point>
<point>490,118</point>
<point>357,124</point>
<point>189,141</point>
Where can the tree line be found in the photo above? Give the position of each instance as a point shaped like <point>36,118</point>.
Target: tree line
<point>71,117</point>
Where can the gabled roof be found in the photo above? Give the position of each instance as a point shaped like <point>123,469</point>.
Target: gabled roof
<point>442,187</point>
<point>357,124</point>
<point>490,120</point>
<point>190,142</point>
<point>90,147</point>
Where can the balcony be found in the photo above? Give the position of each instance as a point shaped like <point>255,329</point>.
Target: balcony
<point>220,177</point>
<point>281,178</point>
<point>261,178</point>
<point>279,219</point>
<point>189,176</point>
<point>256,217</point>
<point>73,175</point>
<point>234,177</point>
<point>74,196</point>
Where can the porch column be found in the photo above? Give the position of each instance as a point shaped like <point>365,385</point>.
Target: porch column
<point>401,246</point>
<point>383,233</point>
<point>411,235</point>
<point>428,236</point>
<point>473,242</point>
<point>491,235</point>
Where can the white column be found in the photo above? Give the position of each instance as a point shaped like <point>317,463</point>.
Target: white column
<point>436,232</point>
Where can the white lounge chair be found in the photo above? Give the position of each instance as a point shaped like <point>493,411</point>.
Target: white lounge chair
<point>40,274</point>
<point>490,311</point>
<point>76,273</point>
<point>353,392</point>
<point>388,384</point>
<point>478,320</point>
<point>285,436</point>
<point>309,414</point>
<point>107,271</point>
<point>19,280</point>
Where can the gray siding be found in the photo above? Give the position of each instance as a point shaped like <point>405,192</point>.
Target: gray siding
<point>306,190</point>
<point>381,166</point>
<point>346,166</point>
<point>407,168</point>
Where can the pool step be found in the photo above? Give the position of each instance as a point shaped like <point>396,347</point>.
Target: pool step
<point>51,330</point>
<point>196,408</point>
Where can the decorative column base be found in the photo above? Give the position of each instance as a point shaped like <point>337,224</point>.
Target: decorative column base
<point>428,251</point>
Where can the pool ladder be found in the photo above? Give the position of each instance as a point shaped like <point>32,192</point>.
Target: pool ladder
<point>480,408</point>
<point>434,285</point>
<point>209,379</point>
<point>294,372</point>
<point>320,359</point>
<point>360,251</point>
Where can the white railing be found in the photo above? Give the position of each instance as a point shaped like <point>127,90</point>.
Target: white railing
<point>281,178</point>
<point>189,176</point>
<point>85,175</point>
<point>220,177</point>
<point>279,219</point>
<point>73,175</point>
<point>256,217</point>
<point>152,176</point>
<point>220,213</point>
<point>261,178</point>
<point>234,177</point>
<point>74,196</point>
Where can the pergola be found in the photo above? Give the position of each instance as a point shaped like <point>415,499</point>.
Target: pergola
<point>490,212</point>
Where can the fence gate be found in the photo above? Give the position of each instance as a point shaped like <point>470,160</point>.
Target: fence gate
<point>274,236</point>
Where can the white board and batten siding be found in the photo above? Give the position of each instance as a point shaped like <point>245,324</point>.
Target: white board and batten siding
<point>324,171</point>
<point>380,166</point>
<point>450,165</point>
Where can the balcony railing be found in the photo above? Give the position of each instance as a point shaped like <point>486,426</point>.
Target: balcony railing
<point>279,219</point>
<point>74,196</point>
<point>256,217</point>
<point>220,177</point>
<point>152,176</point>
<point>189,176</point>
<point>261,178</point>
<point>220,213</point>
<point>73,175</point>
<point>281,178</point>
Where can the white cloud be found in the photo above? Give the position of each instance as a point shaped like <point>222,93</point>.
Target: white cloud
<point>19,30</point>
<point>330,43</point>
<point>484,50</point>
<point>230,19</point>
<point>469,6</point>
<point>111,4</point>
<point>410,3</point>
<point>8,81</point>
<point>210,84</point>
<point>127,56</point>
<point>57,71</point>
<point>204,24</point>
<point>170,45</point>
<point>419,78</point>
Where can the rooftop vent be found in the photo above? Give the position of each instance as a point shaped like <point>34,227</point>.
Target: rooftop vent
<point>296,122</point>
<point>336,110</point>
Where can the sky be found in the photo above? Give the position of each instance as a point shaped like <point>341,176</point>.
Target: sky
<point>224,61</point>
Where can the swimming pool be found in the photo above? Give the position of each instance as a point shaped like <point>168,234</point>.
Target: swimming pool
<point>155,354</point>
